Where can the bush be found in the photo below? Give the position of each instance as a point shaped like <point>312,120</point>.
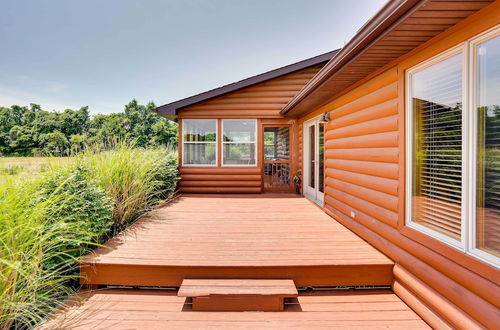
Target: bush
<point>85,208</point>
<point>49,221</point>
<point>135,178</point>
<point>35,259</point>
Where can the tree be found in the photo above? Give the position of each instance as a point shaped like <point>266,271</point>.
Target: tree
<point>25,130</point>
<point>74,122</point>
<point>77,142</point>
<point>55,143</point>
<point>21,139</point>
<point>164,132</point>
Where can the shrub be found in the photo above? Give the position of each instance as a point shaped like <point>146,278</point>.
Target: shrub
<point>36,263</point>
<point>49,221</point>
<point>135,178</point>
<point>86,208</point>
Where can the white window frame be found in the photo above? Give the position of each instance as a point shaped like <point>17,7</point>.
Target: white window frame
<point>410,149</point>
<point>231,142</point>
<point>473,123</point>
<point>200,142</point>
<point>467,243</point>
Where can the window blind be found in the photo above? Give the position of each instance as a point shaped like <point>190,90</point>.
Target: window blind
<point>437,139</point>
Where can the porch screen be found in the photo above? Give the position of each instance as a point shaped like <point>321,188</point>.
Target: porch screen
<point>436,101</point>
<point>199,142</point>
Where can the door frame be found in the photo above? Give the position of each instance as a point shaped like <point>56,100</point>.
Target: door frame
<point>290,161</point>
<point>312,193</point>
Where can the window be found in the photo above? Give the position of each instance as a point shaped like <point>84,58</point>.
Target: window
<point>486,107</point>
<point>199,142</point>
<point>239,142</point>
<point>453,143</point>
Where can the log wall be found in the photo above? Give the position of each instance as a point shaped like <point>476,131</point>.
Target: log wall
<point>365,176</point>
<point>263,102</point>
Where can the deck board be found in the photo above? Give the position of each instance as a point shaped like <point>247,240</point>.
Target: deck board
<point>232,236</point>
<point>160,309</point>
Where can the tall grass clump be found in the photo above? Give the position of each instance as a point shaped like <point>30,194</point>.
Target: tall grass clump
<point>50,219</point>
<point>135,178</point>
<point>46,223</point>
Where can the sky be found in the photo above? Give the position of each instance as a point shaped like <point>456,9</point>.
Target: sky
<point>103,53</point>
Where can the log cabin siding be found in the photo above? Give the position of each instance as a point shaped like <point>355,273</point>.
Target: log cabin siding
<point>364,133</point>
<point>220,180</point>
<point>365,168</point>
<point>263,102</point>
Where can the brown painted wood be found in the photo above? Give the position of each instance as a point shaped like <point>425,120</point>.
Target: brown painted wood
<point>206,287</point>
<point>264,99</point>
<point>233,236</point>
<point>160,309</point>
<point>451,313</point>
<point>259,101</point>
<point>237,295</point>
<point>238,304</point>
<point>459,294</point>
<point>431,317</point>
<point>362,172</point>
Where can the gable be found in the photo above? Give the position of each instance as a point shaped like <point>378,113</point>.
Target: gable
<point>263,100</point>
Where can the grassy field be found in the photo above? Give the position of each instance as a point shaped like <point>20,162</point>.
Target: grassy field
<point>17,165</point>
<point>53,215</point>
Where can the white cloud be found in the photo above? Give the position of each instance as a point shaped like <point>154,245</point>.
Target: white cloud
<point>9,97</point>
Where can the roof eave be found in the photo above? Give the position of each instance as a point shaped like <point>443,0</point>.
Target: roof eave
<point>386,17</point>
<point>172,108</point>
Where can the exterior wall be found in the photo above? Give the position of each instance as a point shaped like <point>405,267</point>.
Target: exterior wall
<point>365,174</point>
<point>262,102</point>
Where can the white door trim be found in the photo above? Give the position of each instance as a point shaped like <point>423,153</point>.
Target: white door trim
<point>312,193</point>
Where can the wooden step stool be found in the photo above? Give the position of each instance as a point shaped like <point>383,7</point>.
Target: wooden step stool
<point>238,294</point>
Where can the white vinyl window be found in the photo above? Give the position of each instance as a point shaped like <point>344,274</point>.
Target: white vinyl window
<point>199,142</point>
<point>239,142</point>
<point>453,144</point>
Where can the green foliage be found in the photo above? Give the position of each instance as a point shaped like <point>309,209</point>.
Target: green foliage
<point>135,178</point>
<point>11,169</point>
<point>50,220</point>
<point>86,207</point>
<point>33,233</point>
<point>54,143</point>
<point>27,131</point>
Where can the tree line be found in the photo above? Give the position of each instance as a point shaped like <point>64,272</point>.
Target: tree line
<point>32,131</point>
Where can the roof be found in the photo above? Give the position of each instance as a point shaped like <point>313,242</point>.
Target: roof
<point>171,108</point>
<point>399,27</point>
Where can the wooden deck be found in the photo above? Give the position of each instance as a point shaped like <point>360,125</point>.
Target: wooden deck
<point>161,309</point>
<point>235,236</point>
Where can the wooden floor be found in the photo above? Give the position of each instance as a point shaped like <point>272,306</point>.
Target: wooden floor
<point>233,236</point>
<point>160,309</point>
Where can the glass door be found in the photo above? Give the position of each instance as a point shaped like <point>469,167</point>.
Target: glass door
<point>313,152</point>
<point>276,160</point>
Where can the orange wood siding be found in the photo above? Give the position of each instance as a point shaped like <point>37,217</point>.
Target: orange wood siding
<point>220,180</point>
<point>300,145</point>
<point>365,174</point>
<point>263,102</point>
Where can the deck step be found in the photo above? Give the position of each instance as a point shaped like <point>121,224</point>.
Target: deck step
<point>238,294</point>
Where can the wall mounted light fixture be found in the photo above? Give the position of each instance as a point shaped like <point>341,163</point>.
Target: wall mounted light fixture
<point>325,118</point>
